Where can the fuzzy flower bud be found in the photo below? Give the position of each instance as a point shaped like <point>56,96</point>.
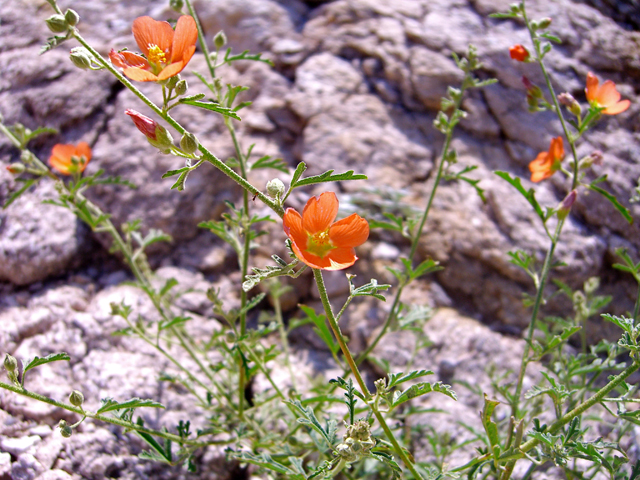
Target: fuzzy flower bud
<point>76,398</point>
<point>72,17</point>
<point>571,103</point>
<point>220,40</point>
<point>189,143</point>
<point>567,203</point>
<point>595,158</point>
<point>57,24</point>
<point>275,188</point>
<point>173,81</point>
<point>16,168</point>
<point>181,87</point>
<point>544,23</point>
<point>156,134</point>
<point>81,57</point>
<point>177,5</point>
<point>10,363</point>
<point>519,53</point>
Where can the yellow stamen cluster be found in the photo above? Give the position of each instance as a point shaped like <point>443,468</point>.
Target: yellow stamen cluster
<point>157,56</point>
<point>319,244</point>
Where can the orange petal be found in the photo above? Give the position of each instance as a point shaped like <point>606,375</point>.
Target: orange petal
<point>341,258</point>
<point>184,39</point>
<point>127,59</point>
<point>607,94</point>
<point>139,75</point>
<point>349,232</point>
<point>84,150</point>
<point>148,31</point>
<point>542,162</point>
<point>592,87</point>
<point>556,149</point>
<point>292,224</point>
<point>320,212</point>
<point>309,259</point>
<point>171,70</point>
<point>617,108</point>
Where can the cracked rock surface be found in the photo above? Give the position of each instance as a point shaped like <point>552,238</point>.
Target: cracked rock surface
<point>356,85</point>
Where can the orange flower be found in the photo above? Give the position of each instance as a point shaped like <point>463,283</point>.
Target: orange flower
<point>167,51</point>
<point>519,53</point>
<point>70,159</point>
<point>317,240</point>
<point>605,96</point>
<point>546,163</point>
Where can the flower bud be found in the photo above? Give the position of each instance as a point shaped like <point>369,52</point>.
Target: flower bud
<point>156,134</point>
<point>72,17</point>
<point>571,103</point>
<point>76,398</point>
<point>567,203</point>
<point>220,40</point>
<point>544,23</point>
<point>230,337</point>
<point>519,53</point>
<point>595,158</point>
<point>57,24</point>
<point>189,143</point>
<point>177,5</point>
<point>173,81</point>
<point>66,431</point>
<point>81,57</point>
<point>275,188</point>
<point>16,168</point>
<point>181,87</point>
<point>10,363</point>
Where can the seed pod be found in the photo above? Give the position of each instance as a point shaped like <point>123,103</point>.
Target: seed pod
<point>81,57</point>
<point>181,87</point>
<point>57,24</point>
<point>72,17</point>
<point>189,143</point>
<point>76,398</point>
<point>220,40</point>
<point>10,363</point>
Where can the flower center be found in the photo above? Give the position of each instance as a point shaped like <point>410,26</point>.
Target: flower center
<point>319,244</point>
<point>157,56</point>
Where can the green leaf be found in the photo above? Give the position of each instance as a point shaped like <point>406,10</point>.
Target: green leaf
<point>37,361</point>
<point>109,404</point>
<point>171,173</point>
<point>626,324</point>
<point>614,201</point>
<point>420,389</point>
<point>370,289</point>
<point>221,229</point>
<point>270,271</point>
<point>298,173</point>
<point>212,107</point>
<point>268,162</point>
<point>551,38</point>
<point>490,426</point>
<point>398,378</point>
<point>387,459</point>
<point>321,328</point>
<point>308,417</point>
<point>175,321</point>
<point>529,195</point>
<point>181,181</point>
<point>426,267</point>
<point>228,58</point>
<point>328,176</point>
<point>15,195</point>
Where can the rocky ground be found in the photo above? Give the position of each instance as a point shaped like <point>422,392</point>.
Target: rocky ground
<point>356,85</point>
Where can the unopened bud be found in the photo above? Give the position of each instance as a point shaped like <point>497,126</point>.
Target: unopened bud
<point>571,103</point>
<point>220,40</point>
<point>173,81</point>
<point>66,432</point>
<point>181,87</point>
<point>544,23</point>
<point>72,17</point>
<point>16,168</point>
<point>57,24</point>
<point>76,398</point>
<point>189,143</point>
<point>567,203</point>
<point>10,363</point>
<point>177,5</point>
<point>81,57</point>
<point>532,88</point>
<point>595,158</point>
<point>156,134</point>
<point>230,337</point>
<point>275,188</point>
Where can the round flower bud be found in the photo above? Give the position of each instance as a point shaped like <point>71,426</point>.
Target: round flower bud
<point>81,57</point>
<point>189,143</point>
<point>57,24</point>
<point>72,17</point>
<point>220,40</point>
<point>230,337</point>
<point>10,363</point>
<point>181,87</point>
<point>275,188</point>
<point>76,398</point>
<point>66,431</point>
<point>177,5</point>
<point>173,81</point>
<point>16,168</point>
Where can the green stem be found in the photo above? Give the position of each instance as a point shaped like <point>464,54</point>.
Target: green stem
<point>534,315</point>
<point>636,309</point>
<point>201,38</point>
<point>112,420</point>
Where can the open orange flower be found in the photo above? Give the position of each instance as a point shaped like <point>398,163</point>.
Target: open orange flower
<point>547,163</point>
<point>167,51</point>
<point>70,159</point>
<point>317,240</point>
<point>605,95</point>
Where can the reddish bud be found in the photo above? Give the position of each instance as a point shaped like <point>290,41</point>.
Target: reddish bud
<point>145,124</point>
<point>16,168</point>
<point>519,53</point>
<point>567,203</point>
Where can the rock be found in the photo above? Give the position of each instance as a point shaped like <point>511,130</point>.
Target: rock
<point>18,446</point>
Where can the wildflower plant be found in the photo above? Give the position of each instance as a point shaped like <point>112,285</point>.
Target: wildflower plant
<point>344,427</point>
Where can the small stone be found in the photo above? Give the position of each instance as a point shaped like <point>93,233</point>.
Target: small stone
<point>18,446</point>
